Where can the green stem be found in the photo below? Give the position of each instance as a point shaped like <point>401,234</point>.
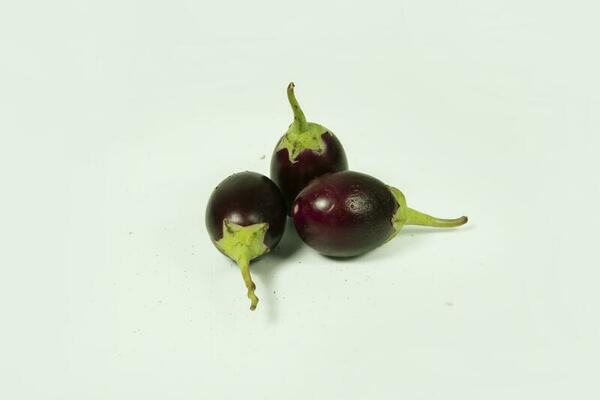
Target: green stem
<point>245,268</point>
<point>299,117</point>
<point>415,217</point>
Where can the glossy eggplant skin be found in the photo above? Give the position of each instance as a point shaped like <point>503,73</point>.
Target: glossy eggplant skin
<point>292,177</point>
<point>344,214</point>
<point>247,198</point>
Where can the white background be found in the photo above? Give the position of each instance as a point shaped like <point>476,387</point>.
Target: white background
<point>118,118</point>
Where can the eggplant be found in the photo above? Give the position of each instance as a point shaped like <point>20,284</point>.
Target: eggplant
<point>245,219</point>
<point>345,214</point>
<point>306,151</point>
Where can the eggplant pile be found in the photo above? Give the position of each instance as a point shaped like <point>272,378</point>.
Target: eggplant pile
<point>337,212</point>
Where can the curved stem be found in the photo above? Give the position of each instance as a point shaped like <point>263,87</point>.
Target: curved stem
<point>299,117</point>
<point>245,268</point>
<point>415,217</point>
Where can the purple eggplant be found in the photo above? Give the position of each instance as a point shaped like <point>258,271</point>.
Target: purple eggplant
<point>306,151</point>
<point>245,218</point>
<point>348,213</point>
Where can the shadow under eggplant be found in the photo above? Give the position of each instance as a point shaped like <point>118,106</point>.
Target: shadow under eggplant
<point>265,267</point>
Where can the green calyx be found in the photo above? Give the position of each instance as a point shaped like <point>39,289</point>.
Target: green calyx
<point>243,244</point>
<point>301,135</point>
<point>405,215</point>
<point>401,215</point>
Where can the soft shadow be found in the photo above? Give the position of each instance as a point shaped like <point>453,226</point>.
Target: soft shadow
<point>397,244</point>
<point>266,267</point>
<point>424,230</point>
<point>408,239</point>
<point>289,244</point>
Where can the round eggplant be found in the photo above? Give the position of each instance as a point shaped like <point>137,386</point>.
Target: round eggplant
<point>348,213</point>
<point>306,151</point>
<point>245,218</point>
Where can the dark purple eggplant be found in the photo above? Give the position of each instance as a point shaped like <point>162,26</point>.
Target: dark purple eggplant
<point>306,151</point>
<point>245,218</point>
<point>348,213</point>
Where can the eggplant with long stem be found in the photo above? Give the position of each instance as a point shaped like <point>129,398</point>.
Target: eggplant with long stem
<point>348,213</point>
<point>306,151</point>
<point>245,219</point>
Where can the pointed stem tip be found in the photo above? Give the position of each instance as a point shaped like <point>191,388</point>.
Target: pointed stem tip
<point>418,218</point>
<point>299,117</point>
